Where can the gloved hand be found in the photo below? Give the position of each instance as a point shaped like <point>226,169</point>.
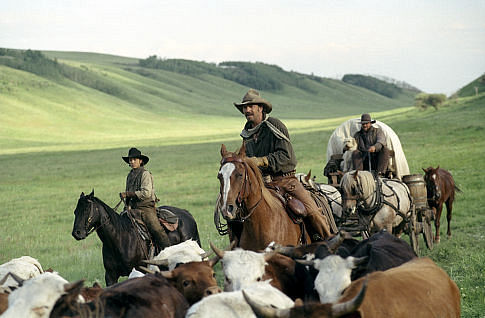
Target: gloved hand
<point>128,194</point>
<point>259,161</point>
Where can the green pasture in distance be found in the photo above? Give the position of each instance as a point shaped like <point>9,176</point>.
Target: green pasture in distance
<point>39,189</point>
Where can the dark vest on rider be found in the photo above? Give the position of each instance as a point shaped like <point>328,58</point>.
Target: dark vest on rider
<point>133,183</point>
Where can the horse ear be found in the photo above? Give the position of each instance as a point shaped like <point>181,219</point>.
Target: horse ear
<point>307,177</point>
<point>242,150</point>
<point>425,170</point>
<point>92,193</point>
<point>223,150</point>
<point>82,195</point>
<point>437,167</point>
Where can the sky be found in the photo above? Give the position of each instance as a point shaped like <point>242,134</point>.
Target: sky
<point>437,46</point>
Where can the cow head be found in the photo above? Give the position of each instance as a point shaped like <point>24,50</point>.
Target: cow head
<point>241,267</point>
<point>194,279</point>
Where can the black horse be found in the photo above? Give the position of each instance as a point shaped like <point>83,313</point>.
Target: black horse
<point>123,246</point>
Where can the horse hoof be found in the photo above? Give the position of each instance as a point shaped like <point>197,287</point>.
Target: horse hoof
<point>437,239</point>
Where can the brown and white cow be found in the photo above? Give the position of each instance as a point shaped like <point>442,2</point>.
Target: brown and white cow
<point>418,288</point>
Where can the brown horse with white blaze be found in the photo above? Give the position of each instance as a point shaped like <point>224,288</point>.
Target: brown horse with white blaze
<point>253,213</point>
<point>440,188</point>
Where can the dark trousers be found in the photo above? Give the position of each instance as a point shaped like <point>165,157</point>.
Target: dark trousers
<point>379,160</point>
<point>149,217</point>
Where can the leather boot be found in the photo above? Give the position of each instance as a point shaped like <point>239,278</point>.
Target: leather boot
<point>319,223</point>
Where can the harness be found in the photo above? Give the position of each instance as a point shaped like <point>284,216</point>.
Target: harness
<point>380,198</point>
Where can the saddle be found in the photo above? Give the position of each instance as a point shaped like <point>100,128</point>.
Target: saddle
<point>294,207</point>
<point>167,219</point>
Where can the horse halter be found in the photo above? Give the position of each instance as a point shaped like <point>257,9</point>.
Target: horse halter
<point>242,196</point>
<point>92,207</point>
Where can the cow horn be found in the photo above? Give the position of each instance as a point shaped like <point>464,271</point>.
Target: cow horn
<point>146,270</point>
<point>158,262</point>
<point>268,255</point>
<point>219,253</point>
<point>265,310</point>
<point>167,274</point>
<point>285,250</point>
<point>360,260</point>
<point>351,305</point>
<point>335,242</point>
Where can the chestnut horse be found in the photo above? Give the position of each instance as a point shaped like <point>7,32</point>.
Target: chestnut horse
<point>252,213</point>
<point>440,188</point>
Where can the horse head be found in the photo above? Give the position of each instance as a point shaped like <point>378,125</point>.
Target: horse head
<point>237,182</point>
<point>357,189</point>
<point>432,179</point>
<point>85,216</point>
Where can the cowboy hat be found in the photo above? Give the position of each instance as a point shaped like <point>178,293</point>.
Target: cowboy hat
<point>365,118</point>
<point>135,153</point>
<point>252,97</point>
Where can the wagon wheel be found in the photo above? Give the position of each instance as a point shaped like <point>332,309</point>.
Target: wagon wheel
<point>428,233</point>
<point>413,238</point>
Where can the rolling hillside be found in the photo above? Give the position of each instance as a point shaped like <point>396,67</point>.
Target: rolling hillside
<point>61,100</point>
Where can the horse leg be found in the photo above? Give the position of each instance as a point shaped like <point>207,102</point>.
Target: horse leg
<point>438,210</point>
<point>449,208</point>
<point>111,277</point>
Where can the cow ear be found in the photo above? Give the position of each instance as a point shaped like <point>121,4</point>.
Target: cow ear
<point>223,150</point>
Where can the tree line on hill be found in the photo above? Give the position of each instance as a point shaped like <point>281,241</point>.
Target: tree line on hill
<point>257,75</point>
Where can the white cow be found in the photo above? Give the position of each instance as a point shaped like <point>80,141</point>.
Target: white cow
<point>184,252</point>
<point>333,276</point>
<point>241,267</point>
<point>24,267</point>
<point>37,296</point>
<point>233,305</point>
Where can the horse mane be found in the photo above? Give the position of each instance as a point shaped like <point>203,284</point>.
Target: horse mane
<point>366,180</point>
<point>125,223</point>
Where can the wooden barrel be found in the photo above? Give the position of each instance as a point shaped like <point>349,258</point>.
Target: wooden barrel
<point>417,187</point>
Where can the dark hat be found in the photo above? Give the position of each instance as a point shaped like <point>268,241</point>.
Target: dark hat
<point>252,97</point>
<point>365,118</point>
<point>135,153</point>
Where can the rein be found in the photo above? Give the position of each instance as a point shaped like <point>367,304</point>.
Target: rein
<point>241,196</point>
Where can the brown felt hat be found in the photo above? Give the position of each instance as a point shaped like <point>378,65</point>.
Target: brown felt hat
<point>252,97</point>
<point>365,118</point>
<point>135,153</point>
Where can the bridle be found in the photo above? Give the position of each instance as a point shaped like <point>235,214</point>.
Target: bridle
<point>242,195</point>
<point>93,207</point>
<point>377,202</point>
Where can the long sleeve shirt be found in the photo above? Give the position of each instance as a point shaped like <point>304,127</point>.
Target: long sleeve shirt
<point>279,151</point>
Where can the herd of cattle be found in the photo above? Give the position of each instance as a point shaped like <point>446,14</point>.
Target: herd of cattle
<point>341,277</point>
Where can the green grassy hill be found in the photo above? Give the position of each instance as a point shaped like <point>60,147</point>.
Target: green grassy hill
<point>63,100</point>
<point>469,89</point>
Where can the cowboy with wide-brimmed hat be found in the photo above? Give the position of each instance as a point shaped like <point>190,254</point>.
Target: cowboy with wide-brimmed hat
<point>135,153</point>
<point>371,147</point>
<point>140,196</point>
<point>268,146</point>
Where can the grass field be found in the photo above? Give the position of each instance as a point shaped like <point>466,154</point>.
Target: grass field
<point>39,190</point>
